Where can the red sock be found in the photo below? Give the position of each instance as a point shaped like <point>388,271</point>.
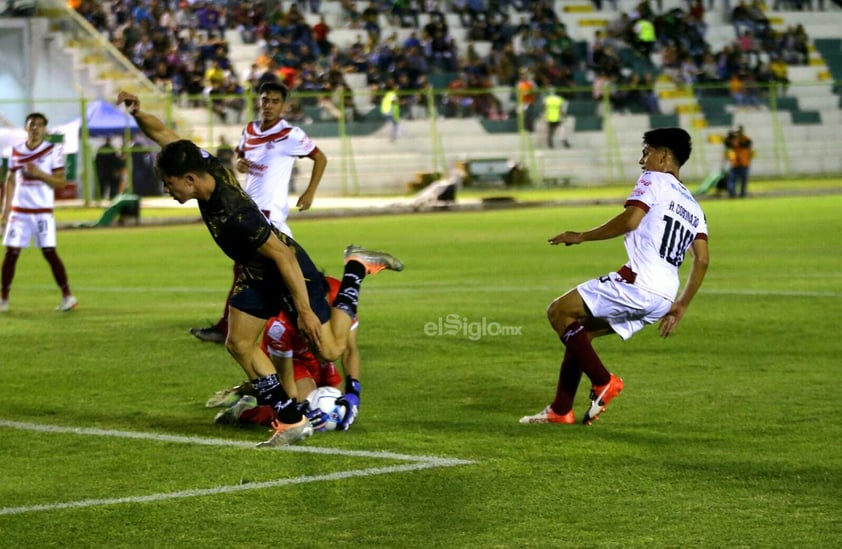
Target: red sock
<point>575,337</point>
<point>57,267</point>
<point>261,415</point>
<point>569,377</point>
<point>10,260</point>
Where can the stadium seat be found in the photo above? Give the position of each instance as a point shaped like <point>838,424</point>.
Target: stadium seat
<point>806,117</point>
<point>499,126</point>
<point>588,123</point>
<point>663,120</point>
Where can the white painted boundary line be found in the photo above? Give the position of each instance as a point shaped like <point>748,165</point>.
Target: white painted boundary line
<point>445,289</point>
<point>417,463</point>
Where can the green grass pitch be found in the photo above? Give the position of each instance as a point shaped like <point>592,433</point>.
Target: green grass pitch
<point>727,434</point>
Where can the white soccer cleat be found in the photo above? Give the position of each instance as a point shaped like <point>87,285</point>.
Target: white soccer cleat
<point>67,304</point>
<point>372,260</point>
<point>4,305</point>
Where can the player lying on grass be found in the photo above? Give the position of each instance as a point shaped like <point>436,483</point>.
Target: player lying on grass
<point>661,222</point>
<point>278,274</point>
<point>301,373</point>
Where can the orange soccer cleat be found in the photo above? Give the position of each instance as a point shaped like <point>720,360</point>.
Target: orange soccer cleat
<point>547,415</point>
<point>601,396</point>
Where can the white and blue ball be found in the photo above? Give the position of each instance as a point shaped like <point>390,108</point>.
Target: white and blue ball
<point>324,399</point>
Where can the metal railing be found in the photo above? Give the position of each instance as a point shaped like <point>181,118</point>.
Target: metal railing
<point>794,134</point>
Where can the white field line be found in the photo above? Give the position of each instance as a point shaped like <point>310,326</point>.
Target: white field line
<point>417,463</point>
<point>446,289</point>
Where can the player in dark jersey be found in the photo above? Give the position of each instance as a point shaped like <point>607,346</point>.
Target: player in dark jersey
<point>278,274</point>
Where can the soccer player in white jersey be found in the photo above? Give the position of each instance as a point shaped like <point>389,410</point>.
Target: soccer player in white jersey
<point>36,170</point>
<point>266,155</point>
<point>661,222</point>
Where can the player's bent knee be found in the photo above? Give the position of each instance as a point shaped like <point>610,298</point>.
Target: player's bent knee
<point>333,342</point>
<point>558,316</point>
<point>329,351</point>
<point>237,348</point>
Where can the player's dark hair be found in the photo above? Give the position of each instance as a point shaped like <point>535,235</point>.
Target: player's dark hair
<point>279,87</point>
<point>676,140</point>
<point>180,157</point>
<point>32,115</point>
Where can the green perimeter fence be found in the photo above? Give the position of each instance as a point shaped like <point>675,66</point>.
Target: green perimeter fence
<point>794,129</point>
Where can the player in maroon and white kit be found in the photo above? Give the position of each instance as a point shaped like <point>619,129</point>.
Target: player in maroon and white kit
<point>661,222</point>
<point>266,155</point>
<point>36,170</point>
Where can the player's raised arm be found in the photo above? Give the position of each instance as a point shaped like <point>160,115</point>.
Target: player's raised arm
<point>149,124</point>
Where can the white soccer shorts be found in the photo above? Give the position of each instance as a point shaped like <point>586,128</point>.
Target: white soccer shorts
<point>627,308</point>
<point>23,227</point>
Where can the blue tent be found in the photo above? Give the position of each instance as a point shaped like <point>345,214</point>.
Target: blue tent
<point>106,119</point>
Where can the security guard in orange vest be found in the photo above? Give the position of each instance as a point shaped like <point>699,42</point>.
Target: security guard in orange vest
<point>740,154</point>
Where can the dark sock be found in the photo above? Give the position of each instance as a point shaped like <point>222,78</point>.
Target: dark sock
<point>575,337</point>
<point>569,376</point>
<point>348,296</point>
<point>58,269</point>
<point>270,392</point>
<point>10,260</point>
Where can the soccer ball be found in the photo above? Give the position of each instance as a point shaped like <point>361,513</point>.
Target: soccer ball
<point>324,399</point>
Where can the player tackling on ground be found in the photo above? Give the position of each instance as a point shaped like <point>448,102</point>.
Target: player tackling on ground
<point>278,275</point>
<point>661,222</point>
<point>291,355</point>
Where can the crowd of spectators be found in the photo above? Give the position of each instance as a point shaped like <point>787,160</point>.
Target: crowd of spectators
<point>755,62</point>
<point>181,46</point>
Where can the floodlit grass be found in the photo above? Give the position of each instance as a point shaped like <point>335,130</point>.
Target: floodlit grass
<point>727,434</point>
<point>529,195</point>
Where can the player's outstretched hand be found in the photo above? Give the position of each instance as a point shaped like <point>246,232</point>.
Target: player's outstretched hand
<point>568,238</point>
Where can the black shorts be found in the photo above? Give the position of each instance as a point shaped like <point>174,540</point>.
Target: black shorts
<point>266,298</point>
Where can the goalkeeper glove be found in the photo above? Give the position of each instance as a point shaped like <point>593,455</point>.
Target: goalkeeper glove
<point>351,401</point>
<point>317,417</point>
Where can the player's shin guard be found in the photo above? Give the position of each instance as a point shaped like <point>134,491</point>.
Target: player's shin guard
<point>347,299</point>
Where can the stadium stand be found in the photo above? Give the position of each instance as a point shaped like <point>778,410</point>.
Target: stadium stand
<point>587,46</point>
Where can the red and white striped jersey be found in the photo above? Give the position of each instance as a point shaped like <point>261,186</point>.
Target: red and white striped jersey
<point>272,153</point>
<point>34,194</point>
